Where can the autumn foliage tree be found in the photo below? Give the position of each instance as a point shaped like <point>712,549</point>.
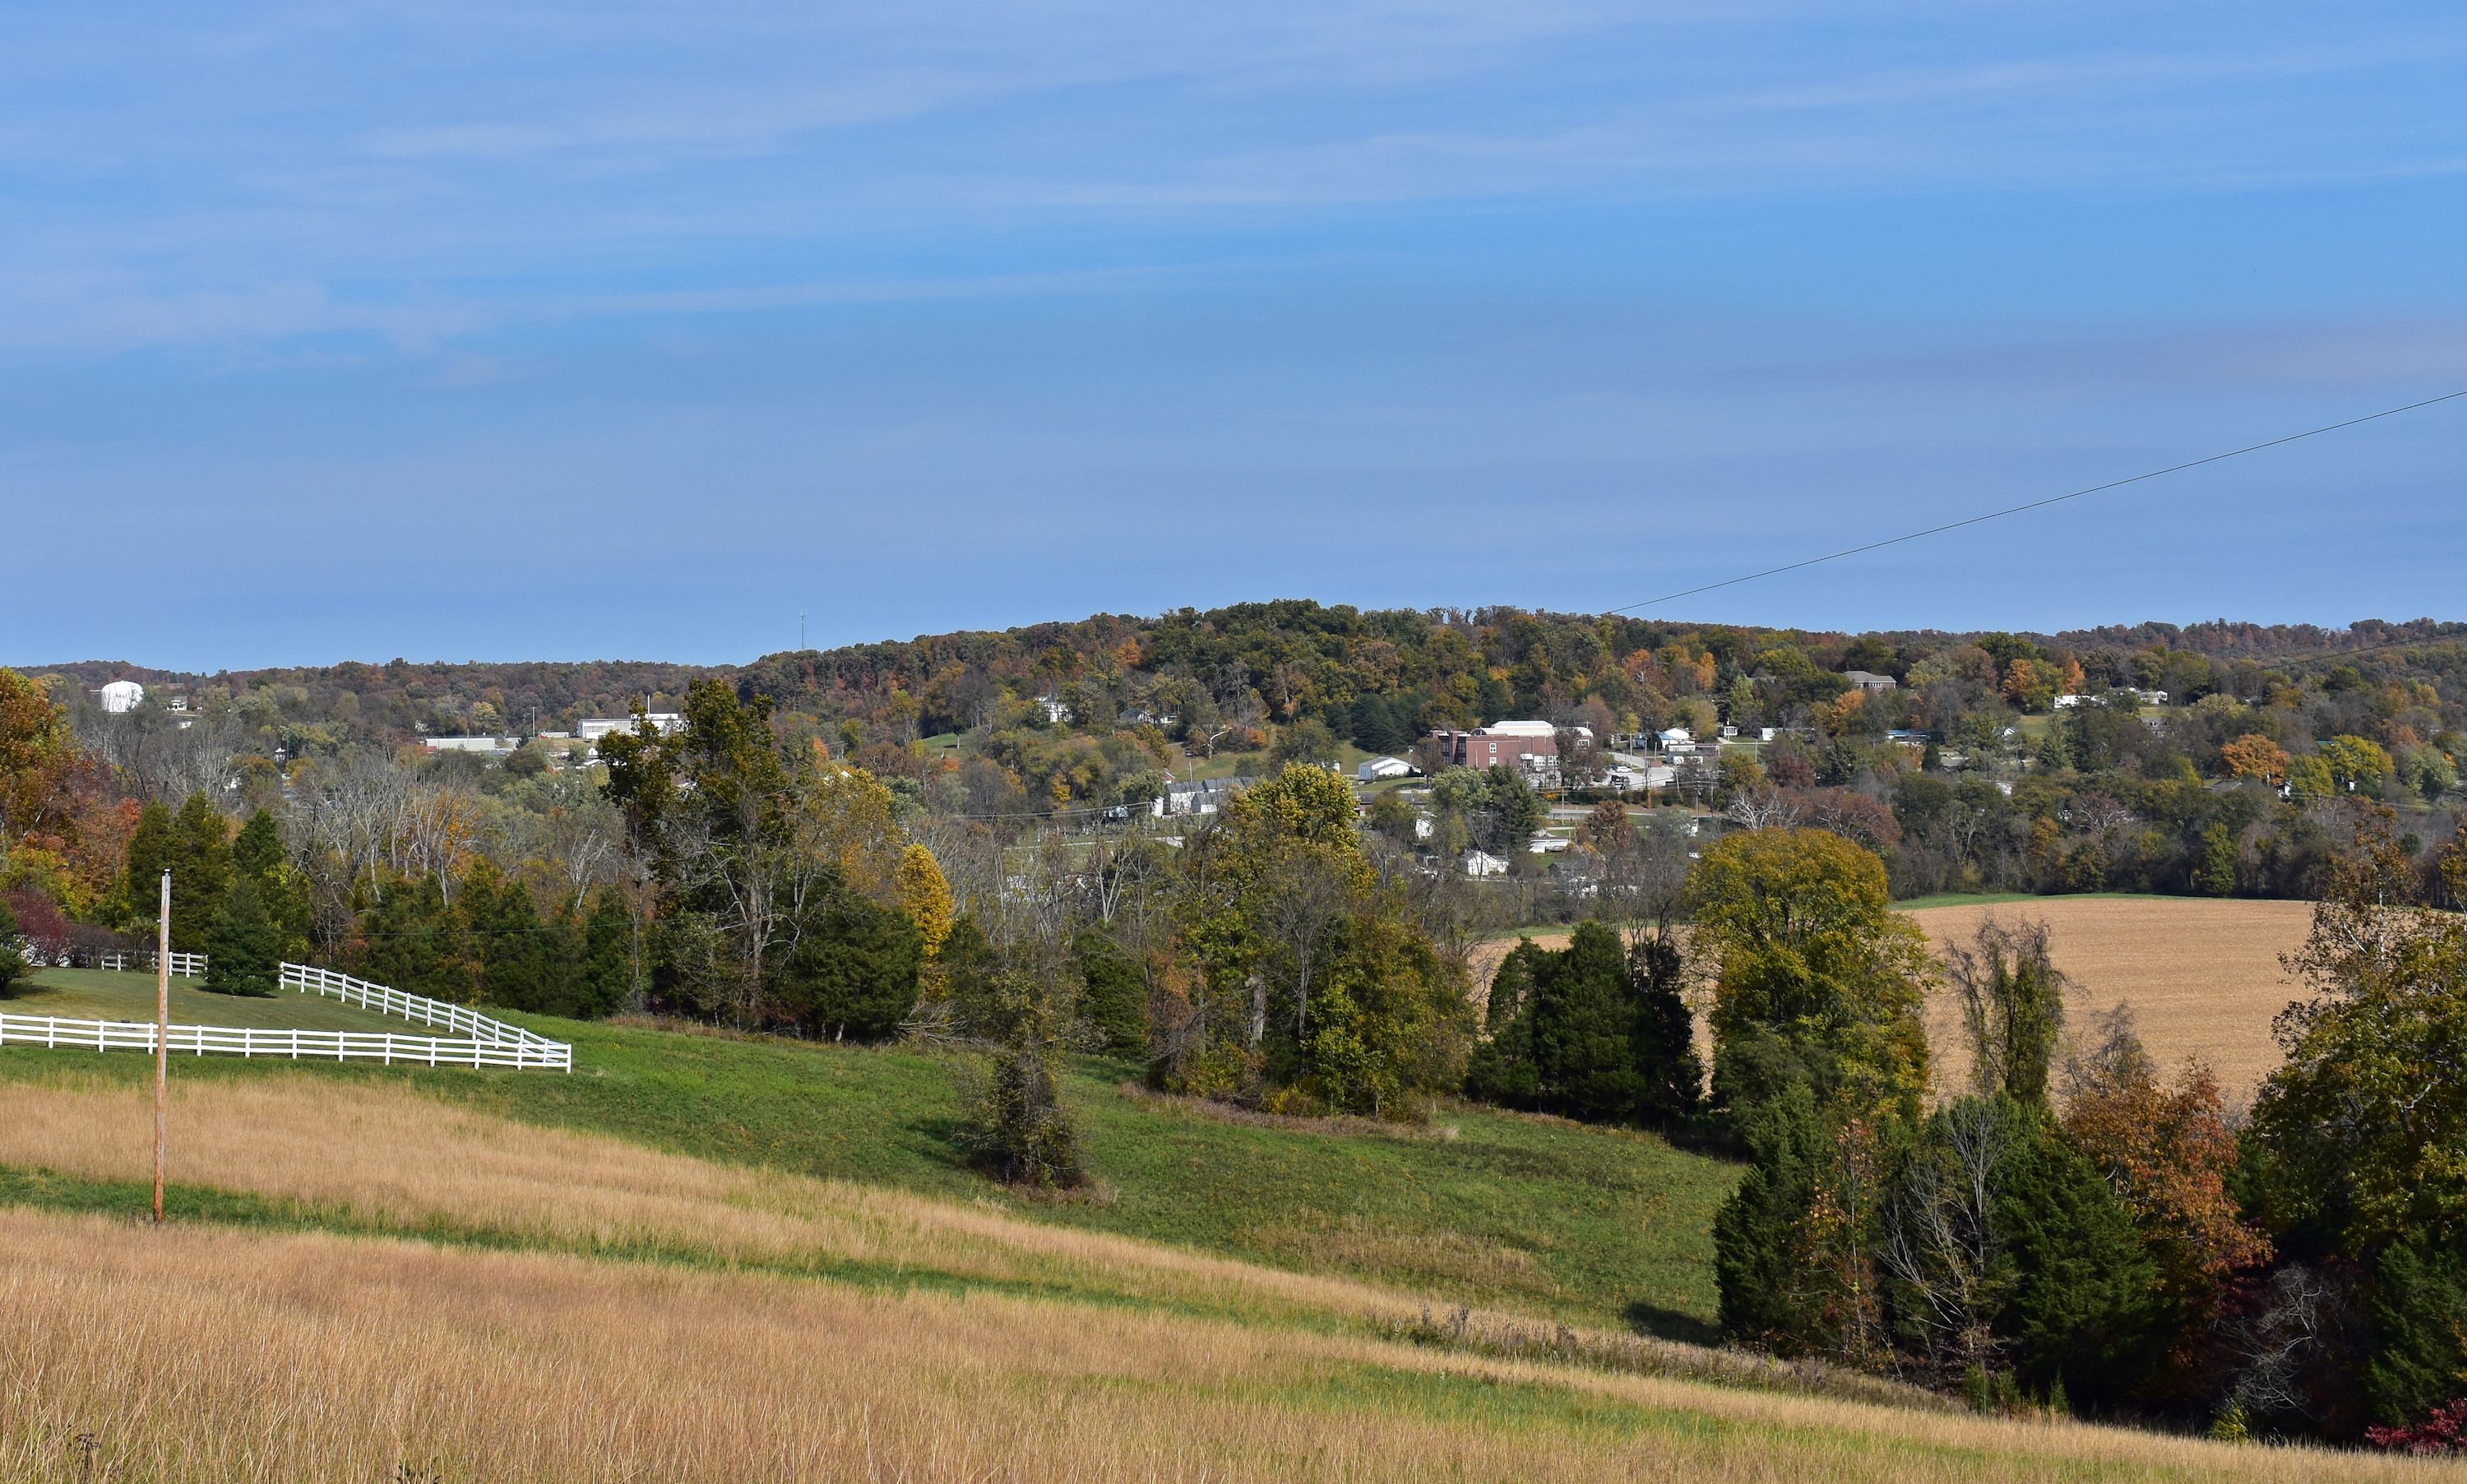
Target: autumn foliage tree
<point>2165,1148</point>
<point>2253,755</point>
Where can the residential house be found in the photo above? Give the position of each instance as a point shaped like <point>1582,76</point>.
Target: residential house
<point>1200,795</point>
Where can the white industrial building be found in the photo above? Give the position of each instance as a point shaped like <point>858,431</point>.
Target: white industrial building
<point>591,729</point>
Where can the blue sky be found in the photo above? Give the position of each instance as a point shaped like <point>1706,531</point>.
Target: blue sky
<point>494,330</point>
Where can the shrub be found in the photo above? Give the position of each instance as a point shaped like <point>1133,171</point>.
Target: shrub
<point>13,963</point>
<point>1014,1127</point>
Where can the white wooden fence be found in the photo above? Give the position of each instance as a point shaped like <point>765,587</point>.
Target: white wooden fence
<point>184,966</point>
<point>483,1042</point>
<point>338,1045</point>
<point>462,1019</point>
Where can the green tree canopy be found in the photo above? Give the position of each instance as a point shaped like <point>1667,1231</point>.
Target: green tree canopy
<point>1807,954</point>
<point>200,857</point>
<point>244,946</point>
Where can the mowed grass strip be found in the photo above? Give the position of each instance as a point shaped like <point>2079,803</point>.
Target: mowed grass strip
<point>102,995</point>
<point>1590,1227</point>
<point>197,1353</point>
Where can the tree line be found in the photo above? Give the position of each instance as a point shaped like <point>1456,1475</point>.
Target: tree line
<point>2057,1222</point>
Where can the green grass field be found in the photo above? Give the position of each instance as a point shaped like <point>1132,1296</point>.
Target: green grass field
<point>1997,898</point>
<point>101,995</point>
<point>1590,1225</point>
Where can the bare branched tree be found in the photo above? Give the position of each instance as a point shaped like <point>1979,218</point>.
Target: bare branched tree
<point>1940,1245</point>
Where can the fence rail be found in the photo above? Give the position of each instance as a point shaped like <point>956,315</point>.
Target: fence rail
<point>481,1041</point>
<point>340,1046</point>
<point>407,1006</point>
<point>60,956</point>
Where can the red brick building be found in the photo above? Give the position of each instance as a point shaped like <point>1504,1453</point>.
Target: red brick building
<point>1508,742</point>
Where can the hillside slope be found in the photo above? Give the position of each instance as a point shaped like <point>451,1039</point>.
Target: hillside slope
<point>639,1315</point>
<point>1588,1226</point>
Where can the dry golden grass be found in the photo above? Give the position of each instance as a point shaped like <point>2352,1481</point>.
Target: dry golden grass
<point>2203,976</point>
<point>200,1354</point>
<point>389,1155</point>
<point>378,1159</point>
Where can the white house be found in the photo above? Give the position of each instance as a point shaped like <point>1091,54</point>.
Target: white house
<point>1203,795</point>
<point>1630,778</point>
<point>591,729</point>
<point>1479,862</point>
<point>122,695</point>
<point>1378,768</point>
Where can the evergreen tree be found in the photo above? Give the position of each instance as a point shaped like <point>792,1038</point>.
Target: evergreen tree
<point>414,942</point>
<point>13,963</point>
<point>1113,1001</point>
<point>854,972</point>
<point>245,947</point>
<point>606,983</point>
<point>1761,1258</point>
<point>523,963</point>
<point>1511,985</point>
<point>149,855</point>
<point>257,850</point>
<point>2216,873</point>
<point>2419,1317</point>
<point>1593,1032</point>
<point>969,969</point>
<point>1663,1032</point>
<point>258,853</point>
<point>1501,1069</point>
<point>2087,1312</point>
<point>1584,1030</point>
<point>200,857</point>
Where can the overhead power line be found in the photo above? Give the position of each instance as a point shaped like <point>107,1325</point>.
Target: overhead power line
<point>2038,504</point>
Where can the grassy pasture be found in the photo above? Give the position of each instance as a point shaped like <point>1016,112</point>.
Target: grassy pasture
<point>102,995</point>
<point>1541,1217</point>
<point>644,1316</point>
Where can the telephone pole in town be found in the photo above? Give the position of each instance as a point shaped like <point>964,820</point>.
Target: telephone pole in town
<point>162,1035</point>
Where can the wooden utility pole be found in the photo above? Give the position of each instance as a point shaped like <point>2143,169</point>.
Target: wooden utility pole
<point>162,1035</point>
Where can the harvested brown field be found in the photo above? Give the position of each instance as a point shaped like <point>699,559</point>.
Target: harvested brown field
<point>194,1354</point>
<point>2202,975</point>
